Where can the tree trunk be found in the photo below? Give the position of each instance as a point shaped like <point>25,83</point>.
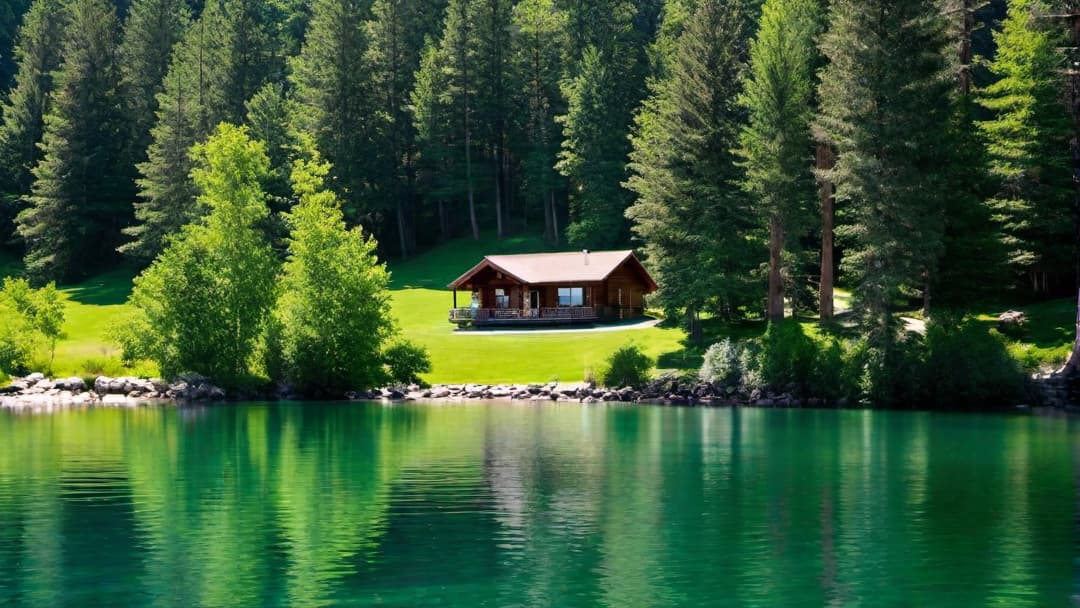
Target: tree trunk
<point>444,232</point>
<point>693,325</point>
<point>402,226</point>
<point>775,310</point>
<point>497,166</point>
<point>825,162</point>
<point>554,216</point>
<point>549,223</point>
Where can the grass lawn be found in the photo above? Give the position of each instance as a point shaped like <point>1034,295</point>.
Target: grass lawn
<point>421,301</point>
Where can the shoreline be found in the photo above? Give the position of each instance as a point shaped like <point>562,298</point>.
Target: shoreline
<point>37,393</point>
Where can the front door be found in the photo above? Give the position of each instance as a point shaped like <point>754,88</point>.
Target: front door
<point>534,302</point>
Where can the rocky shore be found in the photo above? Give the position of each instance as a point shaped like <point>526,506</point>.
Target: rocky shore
<point>37,391</point>
<point>667,390</point>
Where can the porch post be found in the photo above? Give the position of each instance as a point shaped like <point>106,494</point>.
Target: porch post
<point>455,299</point>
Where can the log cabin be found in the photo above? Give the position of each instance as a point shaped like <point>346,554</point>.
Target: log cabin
<point>553,289</point>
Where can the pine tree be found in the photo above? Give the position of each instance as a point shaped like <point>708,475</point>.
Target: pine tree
<point>37,55</point>
<point>397,33</point>
<point>445,101</point>
<point>540,31</point>
<point>1028,143</point>
<point>605,87</point>
<point>11,16</point>
<point>885,107</point>
<point>221,62</point>
<point>973,261</point>
<point>776,142</point>
<point>152,29</point>
<point>332,76</point>
<point>698,227</point>
<point>83,184</point>
<point>270,117</point>
<point>438,177</point>
<point>492,27</point>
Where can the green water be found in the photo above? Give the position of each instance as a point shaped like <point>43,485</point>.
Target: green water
<point>553,505</point>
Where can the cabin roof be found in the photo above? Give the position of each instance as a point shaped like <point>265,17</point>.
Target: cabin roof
<point>568,267</point>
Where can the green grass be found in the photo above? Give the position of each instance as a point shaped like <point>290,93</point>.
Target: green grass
<point>420,303</point>
<point>421,300</point>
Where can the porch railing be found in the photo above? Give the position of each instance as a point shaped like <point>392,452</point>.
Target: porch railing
<point>460,315</point>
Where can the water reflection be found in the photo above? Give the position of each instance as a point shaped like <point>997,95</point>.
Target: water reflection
<point>308,505</point>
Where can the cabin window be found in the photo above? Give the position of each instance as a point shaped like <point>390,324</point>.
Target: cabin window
<point>502,299</point>
<point>571,296</point>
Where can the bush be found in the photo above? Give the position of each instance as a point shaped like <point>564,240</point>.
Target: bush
<point>28,318</point>
<point>722,363</point>
<point>202,305</point>
<point>333,317</point>
<point>788,355</point>
<point>966,365</point>
<point>628,366</point>
<point>405,362</point>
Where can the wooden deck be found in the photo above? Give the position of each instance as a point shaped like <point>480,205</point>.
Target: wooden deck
<point>482,317</point>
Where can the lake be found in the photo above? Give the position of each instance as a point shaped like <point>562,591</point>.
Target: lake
<point>536,505</point>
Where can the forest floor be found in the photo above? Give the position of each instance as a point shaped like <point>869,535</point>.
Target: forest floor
<point>420,303</point>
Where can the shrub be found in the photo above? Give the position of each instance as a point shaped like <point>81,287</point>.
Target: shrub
<point>333,315</point>
<point>405,362</point>
<point>722,363</point>
<point>28,318</point>
<point>787,359</point>
<point>967,365</point>
<point>202,305</point>
<point>628,366</point>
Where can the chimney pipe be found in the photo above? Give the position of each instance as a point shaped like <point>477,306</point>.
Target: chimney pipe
<point>585,252</point>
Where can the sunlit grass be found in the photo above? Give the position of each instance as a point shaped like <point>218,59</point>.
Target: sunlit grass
<point>420,303</point>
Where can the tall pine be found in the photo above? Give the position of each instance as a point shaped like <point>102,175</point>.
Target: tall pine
<point>222,61</point>
<point>332,76</point>
<point>397,32</point>
<point>152,29</point>
<point>540,32</point>
<point>777,143</point>
<point>605,87</point>
<point>885,107</point>
<point>37,57</point>
<point>83,187</point>
<point>1028,141</point>
<point>698,227</point>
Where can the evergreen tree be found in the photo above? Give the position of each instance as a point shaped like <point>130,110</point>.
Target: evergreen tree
<point>604,90</point>
<point>540,31</point>
<point>333,316</point>
<point>492,40</point>
<point>11,16</point>
<point>83,184</point>
<point>397,33</point>
<point>698,227</point>
<point>438,175</point>
<point>445,100</point>
<point>973,261</point>
<point>776,142</point>
<point>332,76</point>
<point>270,117</point>
<point>152,29</point>
<point>37,55</point>
<point>1028,142</point>
<point>222,60</point>
<point>885,107</point>
<point>202,305</point>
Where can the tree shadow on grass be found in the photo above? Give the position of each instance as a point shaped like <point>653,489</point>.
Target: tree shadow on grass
<point>109,289</point>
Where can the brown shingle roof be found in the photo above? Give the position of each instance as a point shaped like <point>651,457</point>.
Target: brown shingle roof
<point>569,267</point>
